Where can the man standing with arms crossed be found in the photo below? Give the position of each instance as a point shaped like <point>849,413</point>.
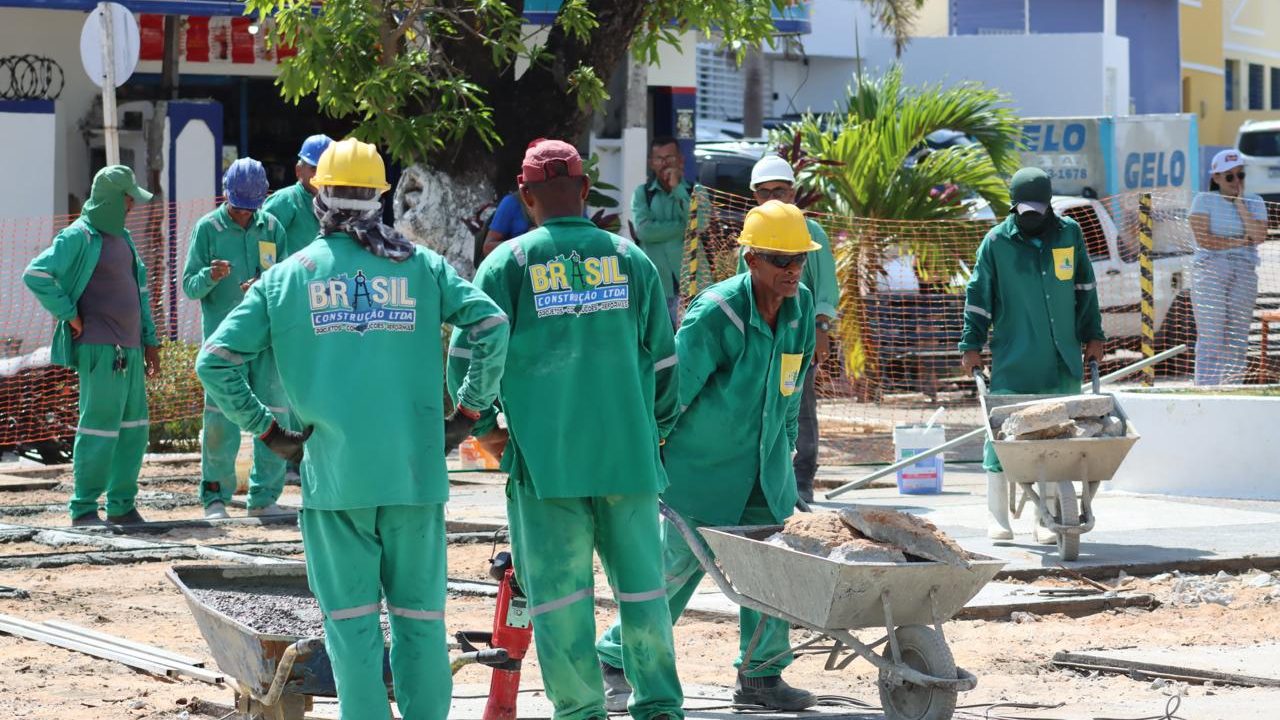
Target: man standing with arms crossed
<point>354,320</point>
<point>773,179</point>
<point>660,209</point>
<point>1033,287</point>
<point>589,390</point>
<point>93,282</point>
<point>230,249</point>
<point>744,347</point>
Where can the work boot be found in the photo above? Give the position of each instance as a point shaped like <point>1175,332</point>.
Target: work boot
<point>1044,535</point>
<point>771,692</point>
<point>617,691</point>
<point>998,507</point>
<point>89,519</point>
<point>130,518</point>
<point>272,509</point>
<point>215,511</point>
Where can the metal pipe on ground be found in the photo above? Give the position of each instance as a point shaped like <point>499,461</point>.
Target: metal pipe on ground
<point>972,434</point>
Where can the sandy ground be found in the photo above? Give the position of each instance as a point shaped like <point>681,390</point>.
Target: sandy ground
<point>1010,658</point>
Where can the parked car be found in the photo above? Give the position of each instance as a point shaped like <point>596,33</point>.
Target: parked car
<point>1258,143</point>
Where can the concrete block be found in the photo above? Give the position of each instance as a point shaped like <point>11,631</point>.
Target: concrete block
<point>1112,426</point>
<point>1083,405</point>
<point>1086,428</point>
<point>1040,416</point>
<point>862,550</point>
<point>914,535</point>
<point>1063,430</point>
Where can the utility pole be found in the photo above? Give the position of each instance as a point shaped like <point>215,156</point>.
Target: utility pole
<point>110,130</point>
<point>753,94</point>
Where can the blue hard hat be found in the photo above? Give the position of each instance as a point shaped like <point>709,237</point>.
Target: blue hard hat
<point>245,184</point>
<point>312,148</point>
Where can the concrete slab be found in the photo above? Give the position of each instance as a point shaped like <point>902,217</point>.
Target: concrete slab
<point>1133,532</point>
<point>1252,665</point>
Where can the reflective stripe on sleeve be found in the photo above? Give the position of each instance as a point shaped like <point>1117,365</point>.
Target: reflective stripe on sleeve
<point>460,352</point>
<point>977,311</point>
<point>223,353</point>
<point>39,274</point>
<point>1085,287</point>
<point>665,363</point>
<point>733,316</point>
<point>567,600</point>
<point>473,333</point>
<point>355,612</point>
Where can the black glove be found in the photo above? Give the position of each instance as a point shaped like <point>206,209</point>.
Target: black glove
<point>457,427</point>
<point>285,443</point>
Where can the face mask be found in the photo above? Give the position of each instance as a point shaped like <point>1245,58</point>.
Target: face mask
<point>1031,224</point>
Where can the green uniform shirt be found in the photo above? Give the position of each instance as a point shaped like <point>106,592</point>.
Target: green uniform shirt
<point>590,381</point>
<point>740,389</point>
<point>357,340</point>
<point>1040,303</point>
<point>58,276</point>
<point>661,219</point>
<point>293,207</point>
<point>819,274</point>
<point>250,251</point>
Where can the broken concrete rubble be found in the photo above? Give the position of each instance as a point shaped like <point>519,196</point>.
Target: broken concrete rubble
<point>1077,406</point>
<point>1041,416</point>
<point>915,535</point>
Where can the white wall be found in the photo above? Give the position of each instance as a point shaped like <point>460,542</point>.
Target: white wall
<point>816,88</point>
<point>54,34</point>
<point>677,66</point>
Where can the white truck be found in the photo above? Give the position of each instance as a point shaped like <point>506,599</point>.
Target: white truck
<point>1115,264</point>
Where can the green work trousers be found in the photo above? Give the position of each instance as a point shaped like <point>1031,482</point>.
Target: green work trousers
<point>113,429</point>
<point>683,572</point>
<point>220,443</point>
<point>553,541</point>
<point>1068,384</point>
<point>355,558</point>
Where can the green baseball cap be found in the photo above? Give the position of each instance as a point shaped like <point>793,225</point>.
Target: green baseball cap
<point>121,178</point>
<point>1030,190</point>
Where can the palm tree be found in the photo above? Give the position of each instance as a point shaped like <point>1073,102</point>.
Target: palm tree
<point>867,163</point>
<point>897,18</point>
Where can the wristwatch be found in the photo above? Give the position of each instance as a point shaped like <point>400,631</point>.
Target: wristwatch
<point>823,325</point>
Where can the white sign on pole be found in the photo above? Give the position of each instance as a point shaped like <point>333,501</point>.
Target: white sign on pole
<point>124,44</point>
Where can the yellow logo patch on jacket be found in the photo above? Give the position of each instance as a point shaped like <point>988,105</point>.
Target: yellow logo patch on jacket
<point>1064,263</point>
<point>790,373</point>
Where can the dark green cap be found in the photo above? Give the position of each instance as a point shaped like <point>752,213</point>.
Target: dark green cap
<point>120,177</point>
<point>1030,190</point>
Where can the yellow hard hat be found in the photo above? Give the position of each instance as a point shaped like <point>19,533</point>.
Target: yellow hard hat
<point>351,163</point>
<point>777,227</point>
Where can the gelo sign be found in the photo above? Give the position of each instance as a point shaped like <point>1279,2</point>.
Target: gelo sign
<point>1110,155</point>
<point>1052,138</point>
<point>1155,169</point>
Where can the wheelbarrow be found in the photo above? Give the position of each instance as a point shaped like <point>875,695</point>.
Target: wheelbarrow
<point>1047,471</point>
<point>275,676</point>
<point>918,679</point>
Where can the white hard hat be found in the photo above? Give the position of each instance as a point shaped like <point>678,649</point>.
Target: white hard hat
<point>769,168</point>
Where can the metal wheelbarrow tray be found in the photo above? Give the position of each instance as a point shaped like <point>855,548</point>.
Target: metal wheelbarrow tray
<point>1046,470</point>
<point>274,674</point>
<point>909,601</point>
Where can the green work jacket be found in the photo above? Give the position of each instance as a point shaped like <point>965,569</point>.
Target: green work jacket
<point>1040,304</point>
<point>293,207</point>
<point>59,274</point>
<point>250,251</point>
<point>590,384</point>
<point>358,344</point>
<point>819,274</point>
<point>661,219</point>
<point>740,389</point>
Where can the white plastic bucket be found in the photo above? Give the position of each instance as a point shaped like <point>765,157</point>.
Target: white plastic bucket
<point>924,477</point>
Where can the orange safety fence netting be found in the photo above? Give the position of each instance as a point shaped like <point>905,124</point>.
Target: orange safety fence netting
<point>895,358</point>
<point>38,401</point>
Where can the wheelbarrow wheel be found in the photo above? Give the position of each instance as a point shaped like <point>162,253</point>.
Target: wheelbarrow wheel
<point>1068,514</point>
<point>925,650</point>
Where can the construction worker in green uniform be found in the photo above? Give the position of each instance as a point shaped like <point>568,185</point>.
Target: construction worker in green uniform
<point>94,284</point>
<point>293,206</point>
<point>773,179</point>
<point>588,393</point>
<point>660,209</point>
<point>354,321</point>
<point>744,347</point>
<point>1033,290</point>
<point>230,249</point>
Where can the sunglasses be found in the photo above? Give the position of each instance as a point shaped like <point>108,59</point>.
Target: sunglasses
<point>1231,177</point>
<point>781,261</point>
<point>777,193</point>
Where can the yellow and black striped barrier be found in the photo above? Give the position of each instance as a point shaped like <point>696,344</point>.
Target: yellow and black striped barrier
<point>1146,245</point>
<point>690,274</point>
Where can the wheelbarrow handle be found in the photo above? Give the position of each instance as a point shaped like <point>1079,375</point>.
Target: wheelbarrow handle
<point>980,381</point>
<point>1095,377</point>
<point>301,648</point>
